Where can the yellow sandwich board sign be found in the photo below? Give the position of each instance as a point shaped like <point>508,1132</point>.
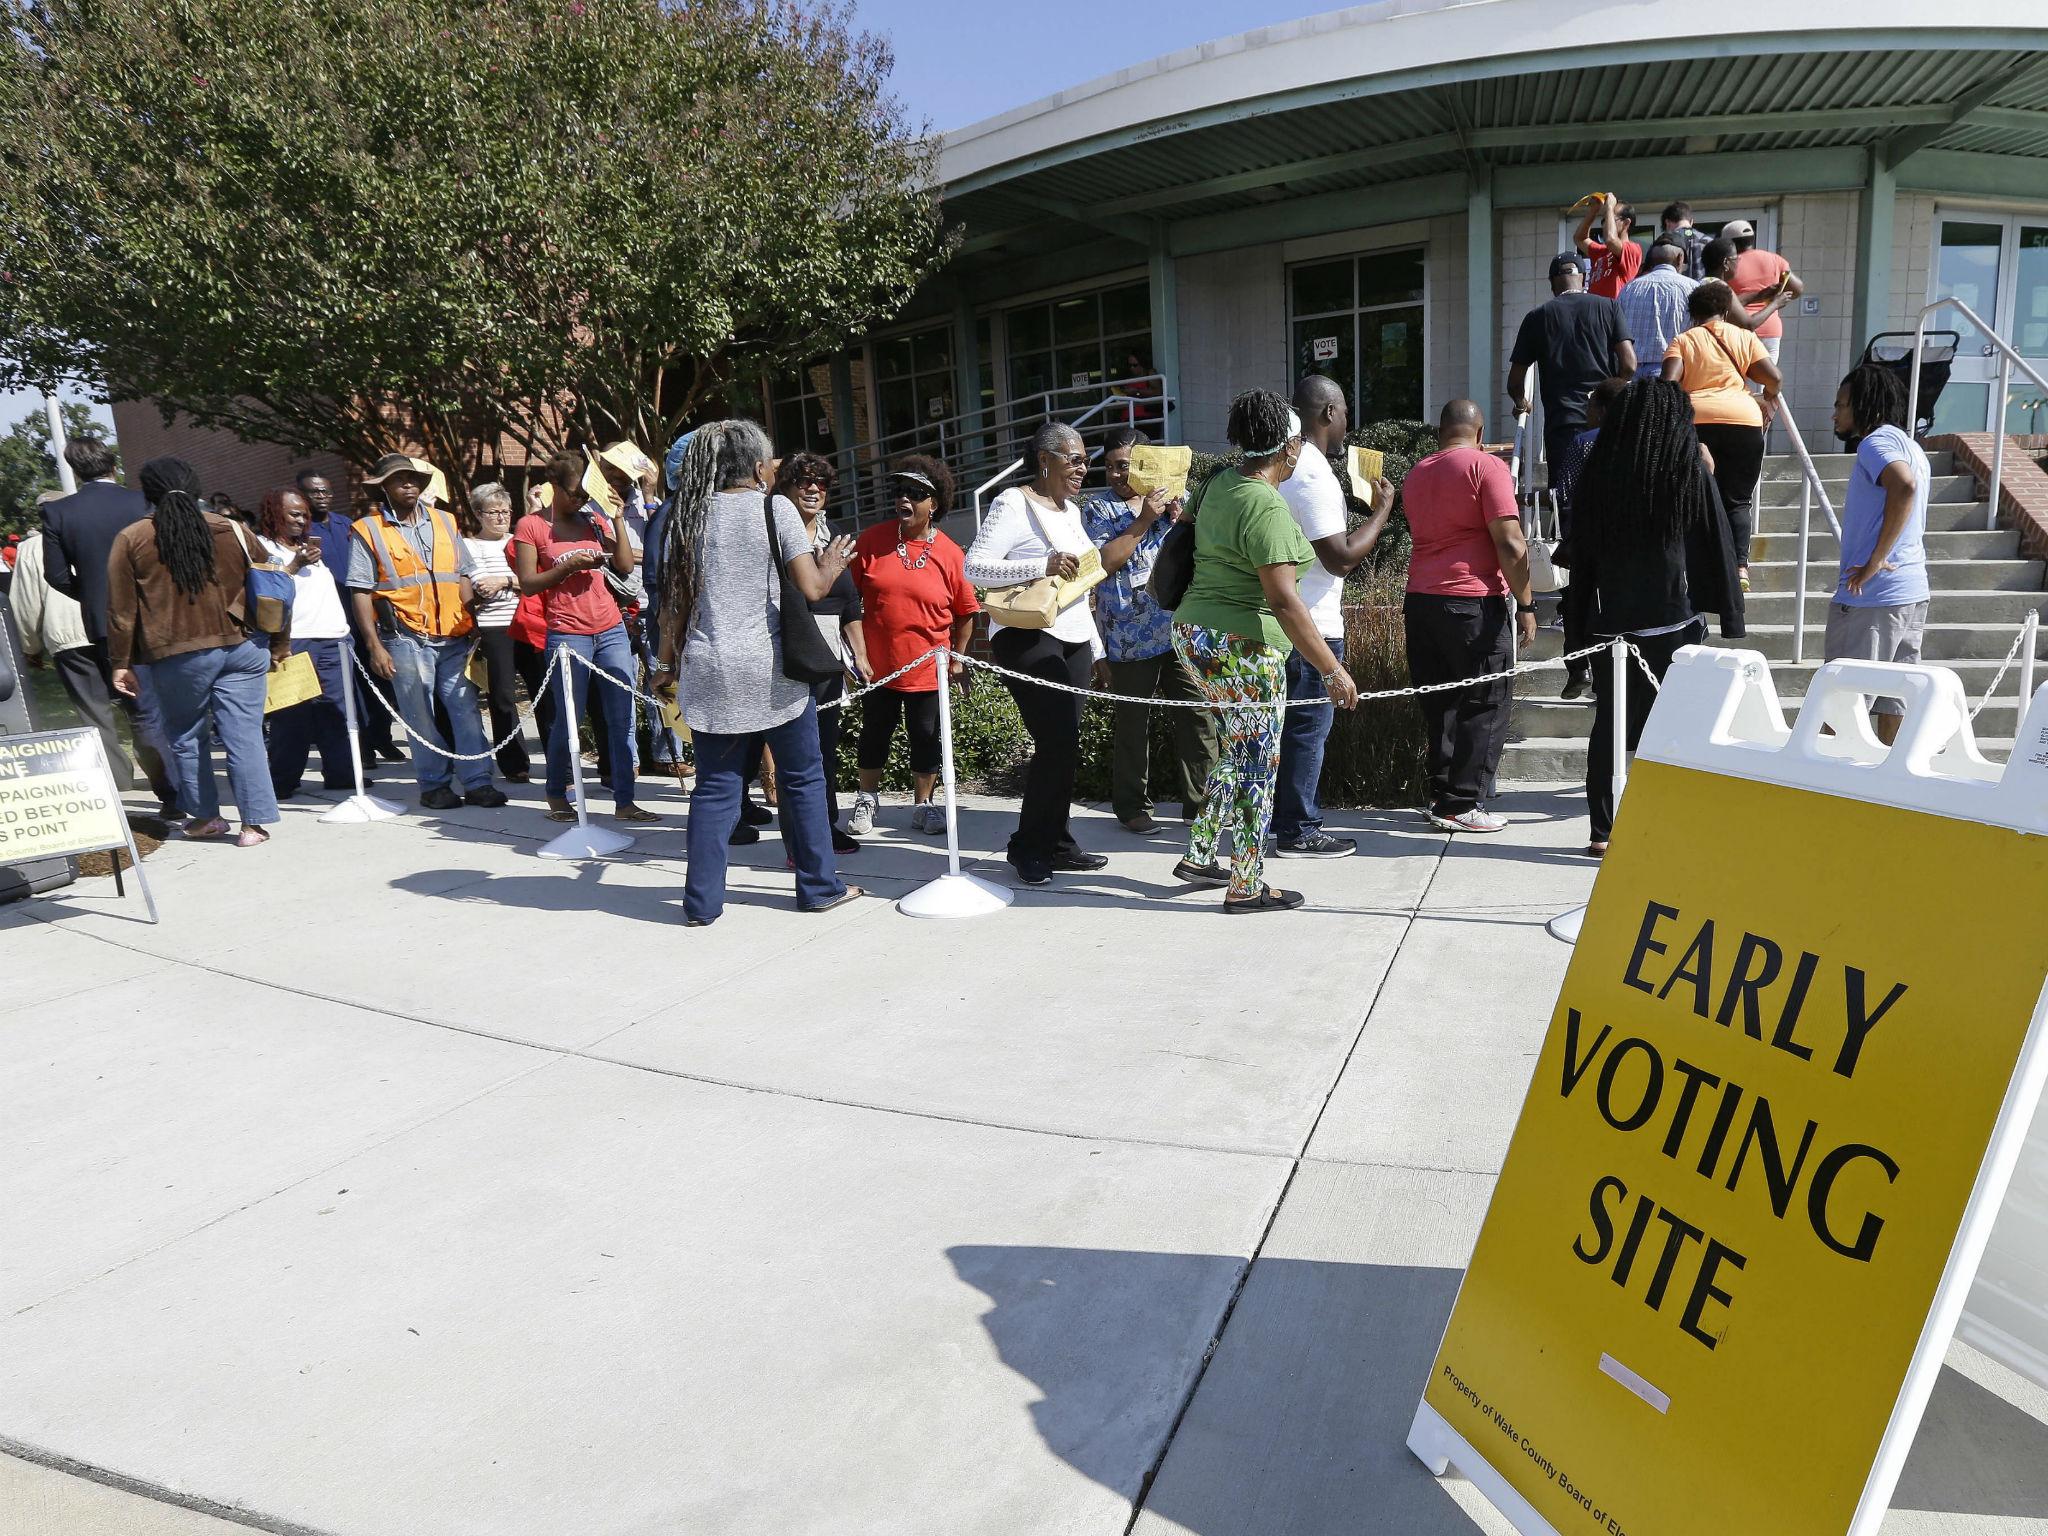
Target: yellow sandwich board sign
<point>1793,1057</point>
<point>57,797</point>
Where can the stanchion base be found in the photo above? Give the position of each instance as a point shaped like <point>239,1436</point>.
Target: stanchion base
<point>586,843</point>
<point>362,807</point>
<point>1566,925</point>
<point>954,896</point>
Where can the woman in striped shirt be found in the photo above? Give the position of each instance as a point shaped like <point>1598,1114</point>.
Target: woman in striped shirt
<point>488,533</point>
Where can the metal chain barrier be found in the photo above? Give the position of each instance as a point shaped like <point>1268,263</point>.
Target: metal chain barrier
<point>489,753</point>
<point>2003,667</point>
<point>846,698</point>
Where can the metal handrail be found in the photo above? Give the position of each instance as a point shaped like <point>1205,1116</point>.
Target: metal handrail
<point>1129,402</point>
<point>2008,357</point>
<point>987,420</point>
<point>1809,486</point>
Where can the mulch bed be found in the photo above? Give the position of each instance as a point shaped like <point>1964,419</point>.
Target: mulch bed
<point>150,834</point>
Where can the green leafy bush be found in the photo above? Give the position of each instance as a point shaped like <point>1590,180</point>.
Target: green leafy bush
<point>989,742</point>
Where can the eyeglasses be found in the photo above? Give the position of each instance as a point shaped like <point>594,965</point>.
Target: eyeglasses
<point>1075,460</point>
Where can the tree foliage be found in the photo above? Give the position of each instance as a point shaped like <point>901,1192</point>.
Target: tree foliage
<point>28,468</point>
<point>337,224</point>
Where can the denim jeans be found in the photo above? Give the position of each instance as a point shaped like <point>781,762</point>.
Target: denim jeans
<point>225,685</point>
<point>613,653</point>
<point>430,670</point>
<point>1296,809</point>
<point>715,811</point>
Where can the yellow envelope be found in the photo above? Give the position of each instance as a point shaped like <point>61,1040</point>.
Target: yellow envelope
<point>293,683</point>
<point>1154,467</point>
<point>599,489</point>
<point>1367,465</point>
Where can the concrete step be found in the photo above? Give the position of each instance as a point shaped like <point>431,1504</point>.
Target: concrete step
<point>1950,606</point>
<point>1939,642</point>
<point>1768,574</point>
<point>1790,676</point>
<point>1837,466</point>
<point>1940,489</point>
<point>1966,544</point>
<point>1942,517</point>
<point>1562,760</point>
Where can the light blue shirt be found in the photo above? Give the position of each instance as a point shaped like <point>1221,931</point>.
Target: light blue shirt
<point>1654,307</point>
<point>1863,518</point>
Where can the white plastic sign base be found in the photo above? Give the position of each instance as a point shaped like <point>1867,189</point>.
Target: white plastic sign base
<point>359,808</point>
<point>586,842</point>
<point>1566,925</point>
<point>954,896</point>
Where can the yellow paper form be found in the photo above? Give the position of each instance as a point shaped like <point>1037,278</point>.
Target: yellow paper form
<point>1367,465</point>
<point>293,683</point>
<point>1154,467</point>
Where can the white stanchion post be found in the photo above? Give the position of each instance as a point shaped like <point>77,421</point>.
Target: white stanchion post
<point>2032,626</point>
<point>1566,925</point>
<point>955,893</point>
<point>582,841</point>
<point>362,805</point>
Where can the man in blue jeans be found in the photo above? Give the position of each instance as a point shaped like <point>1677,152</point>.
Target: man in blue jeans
<point>409,580</point>
<point>1316,497</point>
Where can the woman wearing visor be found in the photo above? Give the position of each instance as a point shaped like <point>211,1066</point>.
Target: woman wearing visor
<point>915,597</point>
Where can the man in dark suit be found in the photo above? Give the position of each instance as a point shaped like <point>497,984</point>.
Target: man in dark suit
<point>78,532</point>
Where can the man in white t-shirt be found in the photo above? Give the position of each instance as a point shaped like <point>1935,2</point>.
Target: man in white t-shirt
<point>1316,497</point>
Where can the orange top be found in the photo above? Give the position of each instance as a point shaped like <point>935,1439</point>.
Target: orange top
<point>1717,358</point>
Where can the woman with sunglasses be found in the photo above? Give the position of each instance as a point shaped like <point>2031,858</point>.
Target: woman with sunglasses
<point>915,597</point>
<point>805,481</point>
<point>1035,530</point>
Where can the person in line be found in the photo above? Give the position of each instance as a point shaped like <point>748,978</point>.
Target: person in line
<point>52,630</point>
<point>1879,612</point>
<point>804,480</point>
<point>1677,229</point>
<point>914,596</point>
<point>1578,680</point>
<point>78,534</point>
<point>1763,280</point>
<point>319,630</point>
<point>1035,530</point>
<point>562,554</point>
<point>177,598</point>
<point>1242,612</point>
<point>621,465</point>
<point>487,534</point>
<point>1469,561</point>
<point>1653,306</point>
<point>1316,499</point>
<point>1714,362</point>
<point>1615,258</point>
<point>410,581</point>
<point>1573,341</point>
<point>1137,642</point>
<point>332,528</point>
<point>1651,552</point>
<point>721,646</point>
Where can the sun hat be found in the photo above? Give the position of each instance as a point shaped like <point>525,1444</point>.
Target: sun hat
<point>398,464</point>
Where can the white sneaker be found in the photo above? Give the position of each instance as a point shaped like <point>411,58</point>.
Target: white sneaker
<point>929,817</point>
<point>860,822</point>
<point>1474,820</point>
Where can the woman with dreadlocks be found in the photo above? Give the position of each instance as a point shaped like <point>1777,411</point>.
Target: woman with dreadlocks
<point>176,600</point>
<point>1233,630</point>
<point>721,614</point>
<point>1651,551</point>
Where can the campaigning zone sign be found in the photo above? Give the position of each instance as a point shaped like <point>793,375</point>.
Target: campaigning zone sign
<point>1784,1044</point>
<point>57,797</point>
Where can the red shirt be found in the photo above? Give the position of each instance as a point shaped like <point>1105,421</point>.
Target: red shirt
<point>1754,272</point>
<point>1452,498</point>
<point>577,605</point>
<point>1614,268</point>
<point>905,611</point>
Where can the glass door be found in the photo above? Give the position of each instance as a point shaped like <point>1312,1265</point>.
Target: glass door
<point>1998,265</point>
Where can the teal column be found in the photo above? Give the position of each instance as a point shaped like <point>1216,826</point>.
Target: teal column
<point>1874,251</point>
<point>966,378</point>
<point>1165,292</point>
<point>1482,319</point>
<point>842,413</point>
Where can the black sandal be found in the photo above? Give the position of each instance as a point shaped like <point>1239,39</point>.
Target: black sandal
<point>1269,899</point>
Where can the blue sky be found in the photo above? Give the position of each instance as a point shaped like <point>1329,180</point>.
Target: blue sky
<point>958,61</point>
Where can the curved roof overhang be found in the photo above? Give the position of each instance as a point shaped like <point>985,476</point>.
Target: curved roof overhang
<point>1414,102</point>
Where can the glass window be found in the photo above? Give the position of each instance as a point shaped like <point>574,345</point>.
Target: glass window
<point>1030,329</point>
<point>1323,289</point>
<point>2030,297</point>
<point>1077,319</point>
<point>1361,322</point>
<point>1966,268</point>
<point>801,412</point>
<point>1076,344</point>
<point>1127,309</point>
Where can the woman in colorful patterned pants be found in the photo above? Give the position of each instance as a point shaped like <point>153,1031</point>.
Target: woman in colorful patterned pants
<point>1234,626</point>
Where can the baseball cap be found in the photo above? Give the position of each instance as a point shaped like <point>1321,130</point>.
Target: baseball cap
<point>1738,229</point>
<point>1559,265</point>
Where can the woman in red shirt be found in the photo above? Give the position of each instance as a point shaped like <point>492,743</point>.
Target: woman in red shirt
<point>914,595</point>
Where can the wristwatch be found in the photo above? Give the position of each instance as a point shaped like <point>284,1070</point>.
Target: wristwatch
<point>1525,607</point>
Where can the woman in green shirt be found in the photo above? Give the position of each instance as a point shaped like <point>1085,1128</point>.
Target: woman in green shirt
<point>1234,628</point>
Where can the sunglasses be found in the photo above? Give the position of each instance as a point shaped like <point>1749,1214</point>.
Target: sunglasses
<point>914,493</point>
<point>812,485</point>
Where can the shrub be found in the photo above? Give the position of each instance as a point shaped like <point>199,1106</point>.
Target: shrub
<point>989,741</point>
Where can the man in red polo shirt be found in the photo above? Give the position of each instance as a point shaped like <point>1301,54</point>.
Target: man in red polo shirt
<point>1615,257</point>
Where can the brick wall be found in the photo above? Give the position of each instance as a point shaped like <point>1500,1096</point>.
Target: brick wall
<point>225,463</point>
<point>2022,485</point>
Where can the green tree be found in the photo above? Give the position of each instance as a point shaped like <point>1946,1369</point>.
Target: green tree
<point>338,224</point>
<point>28,468</point>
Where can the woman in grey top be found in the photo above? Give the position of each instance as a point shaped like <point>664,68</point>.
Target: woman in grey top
<point>721,611</point>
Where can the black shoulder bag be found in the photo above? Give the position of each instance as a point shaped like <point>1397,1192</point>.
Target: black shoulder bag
<point>1173,568</point>
<point>807,656</point>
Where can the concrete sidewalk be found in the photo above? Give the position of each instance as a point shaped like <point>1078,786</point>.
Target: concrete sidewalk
<point>402,1182</point>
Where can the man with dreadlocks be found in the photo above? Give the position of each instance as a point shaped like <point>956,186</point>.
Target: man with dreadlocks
<point>1880,605</point>
<point>1651,551</point>
<point>176,599</point>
